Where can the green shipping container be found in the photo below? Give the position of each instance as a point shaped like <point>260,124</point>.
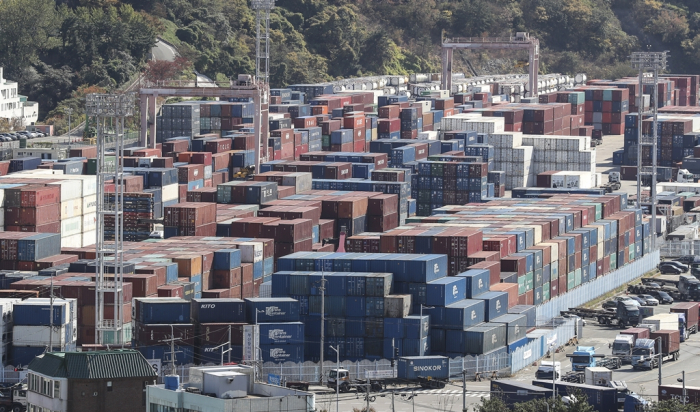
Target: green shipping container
<point>521,285</point>
<point>545,292</point>
<point>577,277</point>
<point>325,140</point>
<point>632,250</point>
<point>613,261</point>
<point>529,281</point>
<point>110,163</point>
<point>570,281</point>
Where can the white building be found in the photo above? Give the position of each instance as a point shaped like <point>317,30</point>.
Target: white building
<point>226,388</point>
<point>15,106</point>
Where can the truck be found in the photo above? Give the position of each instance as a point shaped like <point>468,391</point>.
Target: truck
<point>430,372</point>
<point>597,376</point>
<point>585,357</point>
<point>625,314</point>
<point>546,369</point>
<point>512,392</point>
<point>602,399</point>
<point>613,184</point>
<point>13,398</point>
<point>691,312</point>
<point>684,176</point>
<point>624,342</point>
<point>647,355</point>
<point>671,392</point>
<point>685,288</point>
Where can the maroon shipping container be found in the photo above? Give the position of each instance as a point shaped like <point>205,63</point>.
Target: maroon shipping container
<point>40,196</point>
<point>171,291</point>
<point>691,311</point>
<point>162,162</point>
<point>190,215</point>
<point>53,227</point>
<point>246,273</point>
<point>389,111</point>
<point>505,245</point>
<point>190,173</point>
<point>514,264</point>
<point>670,340</point>
<point>218,145</point>
<point>155,334</point>
<point>382,223</point>
<point>527,298</point>
<point>338,171</point>
<point>226,279</point>
<point>208,229</point>
<point>494,269</point>
<point>218,333</point>
<point>675,392</point>
<point>352,207</point>
<point>293,231</point>
<point>201,158</point>
<point>326,228</point>
<point>389,125</point>
<point>458,242</point>
<point>383,205</point>
<point>143,285</point>
<point>217,294</point>
<point>638,333</point>
<point>33,216</point>
<point>284,248</point>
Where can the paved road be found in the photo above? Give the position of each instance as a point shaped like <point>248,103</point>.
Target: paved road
<point>162,51</point>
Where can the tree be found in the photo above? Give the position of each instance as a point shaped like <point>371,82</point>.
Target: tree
<point>158,70</point>
<point>673,405</point>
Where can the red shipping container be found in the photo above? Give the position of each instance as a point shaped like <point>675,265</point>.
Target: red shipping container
<point>217,294</point>
<point>300,149</point>
<point>244,142</point>
<point>190,173</point>
<point>354,122</point>
<point>171,291</point>
<point>202,158</point>
<point>146,153</point>
<point>358,146</point>
<point>40,196</point>
<point>388,125</point>
<point>143,285</point>
<point>510,288</point>
<point>226,279</point>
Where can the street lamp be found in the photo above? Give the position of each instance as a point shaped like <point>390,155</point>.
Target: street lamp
<point>337,379</point>
<point>422,348</point>
<point>69,110</point>
<point>222,351</point>
<point>683,381</point>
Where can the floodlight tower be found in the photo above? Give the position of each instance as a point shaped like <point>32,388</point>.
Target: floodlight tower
<point>262,38</point>
<point>109,111</point>
<point>654,62</point>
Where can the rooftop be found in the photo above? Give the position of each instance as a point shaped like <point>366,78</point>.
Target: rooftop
<point>93,365</point>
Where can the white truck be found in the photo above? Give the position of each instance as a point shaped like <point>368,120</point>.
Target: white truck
<point>597,376</point>
<point>545,370</point>
<point>622,347</point>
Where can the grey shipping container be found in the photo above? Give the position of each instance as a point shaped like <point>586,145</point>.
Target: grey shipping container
<point>484,338</point>
<point>512,392</point>
<point>529,311</point>
<point>516,326</point>
<point>413,367</point>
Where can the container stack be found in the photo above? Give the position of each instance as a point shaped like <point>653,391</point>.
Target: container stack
<point>159,319</point>
<point>36,208</point>
<point>216,117</point>
<point>31,333</point>
<point>514,158</point>
<point>178,119</point>
<point>138,207</point>
<point>606,108</point>
<point>218,321</point>
<point>6,325</point>
<point>448,183</point>
<point>190,219</point>
<point>281,332</point>
<point>677,135</point>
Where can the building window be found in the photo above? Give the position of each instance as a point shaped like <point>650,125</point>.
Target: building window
<point>109,386</point>
<point>56,389</point>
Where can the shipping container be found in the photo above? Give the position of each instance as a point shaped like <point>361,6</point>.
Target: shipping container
<point>414,367</point>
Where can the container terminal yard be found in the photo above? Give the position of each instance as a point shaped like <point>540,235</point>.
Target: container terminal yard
<point>392,242</point>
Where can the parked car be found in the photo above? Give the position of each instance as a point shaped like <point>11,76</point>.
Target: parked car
<point>627,299</point>
<point>669,268</point>
<point>662,296</point>
<point>688,259</point>
<point>639,300</point>
<point>679,265</point>
<point>649,300</point>
<point>653,285</point>
<point>610,304</point>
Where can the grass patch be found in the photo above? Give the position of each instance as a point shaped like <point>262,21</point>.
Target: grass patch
<point>169,34</point>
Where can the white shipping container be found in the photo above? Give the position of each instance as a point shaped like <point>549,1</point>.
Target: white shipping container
<point>70,189</point>
<point>89,204</point>
<point>397,306</point>
<point>89,183</point>
<point>88,238</point>
<point>300,180</point>
<point>71,226</point>
<point>73,241</point>
<point>665,321</point>
<point>170,192</point>
<point>39,335</point>
<point>429,135</point>
<point>2,197</point>
<point>89,222</point>
<point>207,172</point>
<point>251,252</point>
<point>2,217</point>
<point>266,290</point>
<point>71,208</point>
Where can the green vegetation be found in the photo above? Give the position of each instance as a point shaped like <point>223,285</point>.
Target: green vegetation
<point>52,47</point>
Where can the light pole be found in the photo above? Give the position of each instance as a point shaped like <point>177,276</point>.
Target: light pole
<point>422,348</point>
<point>69,110</point>
<point>337,379</point>
<point>683,381</point>
<point>554,372</point>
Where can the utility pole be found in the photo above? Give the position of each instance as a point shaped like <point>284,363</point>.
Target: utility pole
<point>229,344</point>
<point>684,394</point>
<point>323,321</point>
<point>661,359</point>
<point>394,410</point>
<point>464,390</point>
<point>69,110</point>
<point>337,379</point>
<point>51,319</point>
<point>172,348</point>
<point>367,389</point>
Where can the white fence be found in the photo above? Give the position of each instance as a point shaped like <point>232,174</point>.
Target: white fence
<point>536,349</point>
<point>598,287</point>
<point>676,248</point>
